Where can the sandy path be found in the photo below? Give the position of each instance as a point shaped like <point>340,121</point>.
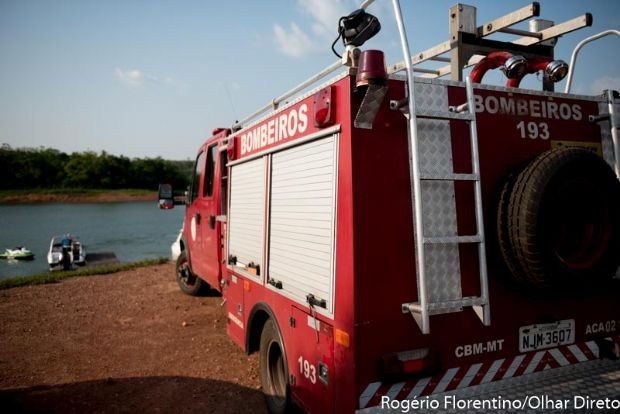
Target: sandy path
<point>127,342</point>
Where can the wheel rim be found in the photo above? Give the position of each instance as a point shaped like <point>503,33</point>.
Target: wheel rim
<point>580,224</point>
<point>184,275</point>
<point>276,372</point>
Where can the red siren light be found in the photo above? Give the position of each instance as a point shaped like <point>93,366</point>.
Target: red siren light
<point>371,68</point>
<point>324,107</point>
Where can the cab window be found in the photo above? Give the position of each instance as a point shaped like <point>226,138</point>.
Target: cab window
<point>210,171</point>
<point>198,169</point>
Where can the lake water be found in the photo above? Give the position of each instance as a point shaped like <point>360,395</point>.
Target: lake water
<point>133,231</point>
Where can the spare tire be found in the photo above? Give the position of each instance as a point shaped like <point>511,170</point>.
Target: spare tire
<point>562,220</point>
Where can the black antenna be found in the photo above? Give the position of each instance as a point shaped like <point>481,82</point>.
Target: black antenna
<point>230,101</point>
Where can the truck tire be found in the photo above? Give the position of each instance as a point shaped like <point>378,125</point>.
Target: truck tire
<point>273,369</point>
<point>503,239</point>
<point>563,220</point>
<point>188,282</point>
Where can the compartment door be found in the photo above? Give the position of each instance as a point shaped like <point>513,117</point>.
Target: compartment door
<point>310,356</point>
<point>303,212</point>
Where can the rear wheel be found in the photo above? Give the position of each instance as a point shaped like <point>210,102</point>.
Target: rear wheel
<point>273,370</point>
<point>563,220</point>
<point>188,282</point>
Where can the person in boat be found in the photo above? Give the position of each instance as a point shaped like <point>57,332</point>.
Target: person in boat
<point>66,241</point>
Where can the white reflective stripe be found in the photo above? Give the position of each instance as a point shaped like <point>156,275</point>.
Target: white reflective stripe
<point>474,369</point>
<point>577,353</point>
<point>492,371</point>
<point>593,347</point>
<point>534,362</point>
<point>235,320</point>
<point>394,390</point>
<point>368,393</point>
<point>443,384</point>
<point>559,357</point>
<point>314,323</point>
<point>419,387</point>
<point>469,376</point>
<point>513,367</point>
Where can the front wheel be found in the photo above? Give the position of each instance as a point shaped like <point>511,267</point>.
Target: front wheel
<point>188,282</point>
<point>273,370</point>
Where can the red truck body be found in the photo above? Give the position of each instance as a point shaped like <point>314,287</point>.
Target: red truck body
<point>303,221</point>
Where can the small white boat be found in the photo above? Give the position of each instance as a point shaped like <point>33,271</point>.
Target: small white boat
<point>66,252</point>
<point>17,253</point>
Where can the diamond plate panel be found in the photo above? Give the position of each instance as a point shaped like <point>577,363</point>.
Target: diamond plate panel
<point>608,148</point>
<point>443,272</point>
<point>431,97</point>
<point>439,209</point>
<point>370,106</point>
<point>435,147</point>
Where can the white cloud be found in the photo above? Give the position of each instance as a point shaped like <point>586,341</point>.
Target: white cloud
<point>605,82</point>
<point>323,20</point>
<point>325,14</point>
<point>293,42</point>
<point>137,78</point>
<point>132,77</point>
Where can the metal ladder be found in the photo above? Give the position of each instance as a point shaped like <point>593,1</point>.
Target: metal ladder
<point>423,308</point>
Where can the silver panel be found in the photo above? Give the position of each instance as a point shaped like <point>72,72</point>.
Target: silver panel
<point>247,212</point>
<point>606,132</point>
<point>438,203</point>
<point>431,96</point>
<point>608,149</point>
<point>301,239</point>
<point>370,106</point>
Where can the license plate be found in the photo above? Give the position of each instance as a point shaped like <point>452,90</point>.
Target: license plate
<point>548,335</point>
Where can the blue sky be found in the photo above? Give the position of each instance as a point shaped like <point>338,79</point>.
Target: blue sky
<point>153,78</point>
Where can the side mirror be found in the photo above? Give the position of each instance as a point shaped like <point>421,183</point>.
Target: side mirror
<point>166,197</point>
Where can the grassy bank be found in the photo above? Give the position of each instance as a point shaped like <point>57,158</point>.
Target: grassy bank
<point>53,277</point>
<point>74,195</point>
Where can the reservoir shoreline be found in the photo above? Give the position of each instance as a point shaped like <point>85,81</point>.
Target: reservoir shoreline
<point>88,196</point>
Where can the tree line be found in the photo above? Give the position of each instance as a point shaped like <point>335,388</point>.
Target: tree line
<point>23,168</point>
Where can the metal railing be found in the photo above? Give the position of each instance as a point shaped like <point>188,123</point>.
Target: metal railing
<point>573,58</point>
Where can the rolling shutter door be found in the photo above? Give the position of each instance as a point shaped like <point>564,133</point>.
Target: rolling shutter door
<point>301,249</point>
<point>247,212</point>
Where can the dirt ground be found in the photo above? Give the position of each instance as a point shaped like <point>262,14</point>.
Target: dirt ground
<point>126,342</point>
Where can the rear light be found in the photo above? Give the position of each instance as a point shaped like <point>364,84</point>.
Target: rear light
<point>407,363</point>
<point>342,338</point>
<point>324,108</point>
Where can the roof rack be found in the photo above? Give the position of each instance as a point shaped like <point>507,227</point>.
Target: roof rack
<point>468,42</point>
<point>467,46</point>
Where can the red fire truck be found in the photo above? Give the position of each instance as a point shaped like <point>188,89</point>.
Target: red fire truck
<point>384,237</point>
